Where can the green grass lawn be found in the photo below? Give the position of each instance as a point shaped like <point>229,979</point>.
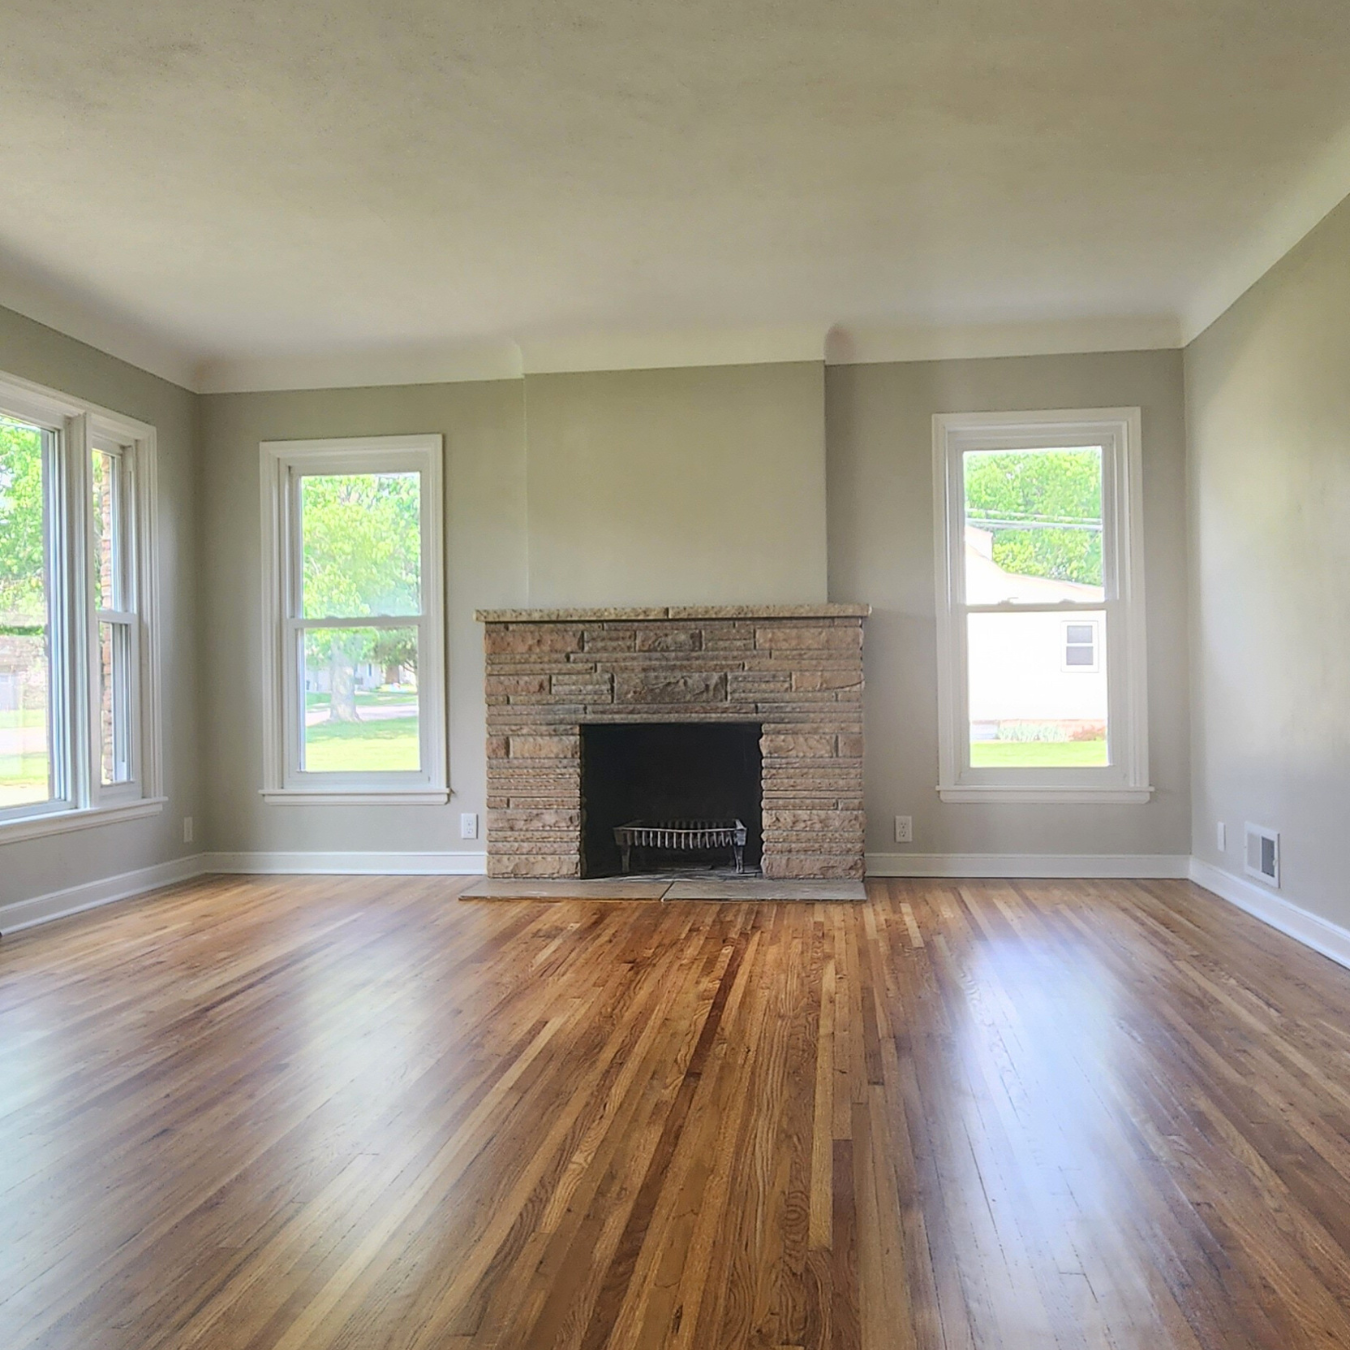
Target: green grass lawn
<point>10,718</point>
<point>1037,754</point>
<point>363,747</point>
<point>366,698</point>
<point>23,779</point>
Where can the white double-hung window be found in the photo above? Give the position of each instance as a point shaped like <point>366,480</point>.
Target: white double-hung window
<point>79,693</point>
<point>353,627</point>
<point>1040,607</point>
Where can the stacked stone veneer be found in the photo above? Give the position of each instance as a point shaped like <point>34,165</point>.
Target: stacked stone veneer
<point>797,670</point>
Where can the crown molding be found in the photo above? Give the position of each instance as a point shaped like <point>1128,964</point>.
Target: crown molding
<point>28,292</point>
<point>860,344</point>
<point>1305,202</point>
<point>681,348</point>
<point>658,350</point>
<point>433,363</point>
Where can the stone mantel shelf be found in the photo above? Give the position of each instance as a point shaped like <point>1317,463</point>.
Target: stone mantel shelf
<point>677,613</point>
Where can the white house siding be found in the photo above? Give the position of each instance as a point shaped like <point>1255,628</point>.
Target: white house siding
<point>1017,671</point>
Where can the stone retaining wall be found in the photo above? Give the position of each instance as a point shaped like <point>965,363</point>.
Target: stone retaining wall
<point>797,670</point>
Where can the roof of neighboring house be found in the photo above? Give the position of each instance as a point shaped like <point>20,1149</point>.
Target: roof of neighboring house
<point>989,584</point>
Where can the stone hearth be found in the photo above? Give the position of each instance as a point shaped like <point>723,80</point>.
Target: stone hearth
<point>794,669</point>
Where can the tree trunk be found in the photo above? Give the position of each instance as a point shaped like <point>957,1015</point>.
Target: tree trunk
<point>341,685</point>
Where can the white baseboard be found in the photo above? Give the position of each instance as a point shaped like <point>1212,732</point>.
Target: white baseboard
<point>20,914</point>
<point>1124,865</point>
<point>1262,903</point>
<point>351,864</point>
<point>1312,931</point>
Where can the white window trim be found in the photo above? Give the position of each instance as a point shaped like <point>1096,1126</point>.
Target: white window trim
<point>1118,431</point>
<point>282,785</point>
<point>88,802</point>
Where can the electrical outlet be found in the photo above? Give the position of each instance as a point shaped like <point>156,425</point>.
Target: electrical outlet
<point>187,829</point>
<point>468,825</point>
<point>904,829</point>
<point>1221,837</point>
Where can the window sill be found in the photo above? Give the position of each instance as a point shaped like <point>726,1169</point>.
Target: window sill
<point>1048,796</point>
<point>355,797</point>
<point>59,822</point>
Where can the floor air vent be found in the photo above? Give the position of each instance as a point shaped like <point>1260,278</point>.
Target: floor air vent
<point>1263,854</point>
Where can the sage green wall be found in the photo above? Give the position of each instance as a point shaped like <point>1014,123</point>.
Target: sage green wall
<point>879,465</point>
<point>1268,407</point>
<point>633,486</point>
<point>485,552</point>
<point>693,486</point>
<point>35,867</point>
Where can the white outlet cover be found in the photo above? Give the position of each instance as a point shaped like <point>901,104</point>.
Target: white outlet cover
<point>468,825</point>
<point>1221,837</point>
<point>904,829</point>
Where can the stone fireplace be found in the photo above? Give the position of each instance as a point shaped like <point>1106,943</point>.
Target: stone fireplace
<point>791,673</point>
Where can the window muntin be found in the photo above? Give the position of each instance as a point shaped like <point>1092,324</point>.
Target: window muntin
<point>1040,606</point>
<point>356,627</point>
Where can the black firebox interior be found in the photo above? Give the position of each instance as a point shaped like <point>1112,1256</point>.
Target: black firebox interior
<point>667,771</point>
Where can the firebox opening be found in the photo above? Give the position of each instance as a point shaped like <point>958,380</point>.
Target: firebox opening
<point>664,772</point>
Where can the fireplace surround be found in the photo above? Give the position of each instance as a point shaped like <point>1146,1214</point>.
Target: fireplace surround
<point>794,671</point>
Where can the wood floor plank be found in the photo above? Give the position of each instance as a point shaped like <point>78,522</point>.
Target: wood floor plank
<point>348,1113</point>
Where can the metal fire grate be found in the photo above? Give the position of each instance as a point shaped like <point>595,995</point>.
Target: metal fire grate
<point>681,836</point>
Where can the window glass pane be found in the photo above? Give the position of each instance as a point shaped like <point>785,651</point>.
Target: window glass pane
<point>361,705</point>
<point>361,544</point>
<point>25,628</point>
<point>107,533</point>
<point>114,717</point>
<point>1033,526</point>
<point>1026,709</point>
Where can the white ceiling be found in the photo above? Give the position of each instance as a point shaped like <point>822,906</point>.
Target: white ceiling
<point>241,194</point>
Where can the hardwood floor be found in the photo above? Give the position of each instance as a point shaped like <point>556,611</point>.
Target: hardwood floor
<point>266,1114</point>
